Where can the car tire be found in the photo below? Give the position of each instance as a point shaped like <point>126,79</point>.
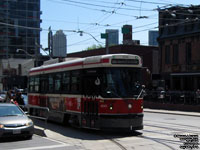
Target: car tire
<point>29,137</point>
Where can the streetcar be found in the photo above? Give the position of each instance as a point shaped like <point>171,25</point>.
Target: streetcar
<point>102,92</point>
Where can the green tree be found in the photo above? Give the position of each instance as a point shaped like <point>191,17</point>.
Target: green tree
<point>94,46</point>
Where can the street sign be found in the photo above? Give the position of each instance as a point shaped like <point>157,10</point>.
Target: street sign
<point>104,35</point>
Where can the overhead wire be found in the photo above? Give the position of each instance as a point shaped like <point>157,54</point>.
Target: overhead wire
<point>106,11</point>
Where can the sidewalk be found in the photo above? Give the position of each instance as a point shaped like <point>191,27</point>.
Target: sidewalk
<point>173,112</point>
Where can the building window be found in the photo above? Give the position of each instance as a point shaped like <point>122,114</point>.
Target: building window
<point>167,54</point>
<point>188,53</point>
<point>175,54</point>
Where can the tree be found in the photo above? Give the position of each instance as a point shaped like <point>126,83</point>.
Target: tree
<point>94,46</point>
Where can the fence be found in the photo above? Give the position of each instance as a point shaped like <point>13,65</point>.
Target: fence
<point>173,97</point>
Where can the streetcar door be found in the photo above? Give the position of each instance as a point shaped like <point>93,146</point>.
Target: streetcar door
<point>91,89</point>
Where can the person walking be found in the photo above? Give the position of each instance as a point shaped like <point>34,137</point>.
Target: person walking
<point>8,97</point>
<point>19,99</point>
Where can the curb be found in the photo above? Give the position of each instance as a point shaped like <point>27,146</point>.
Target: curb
<point>194,114</point>
<point>39,131</point>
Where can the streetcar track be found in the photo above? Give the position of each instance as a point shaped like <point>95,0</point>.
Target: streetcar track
<point>115,142</point>
<point>174,129</point>
<point>118,144</point>
<point>175,124</point>
<point>158,141</point>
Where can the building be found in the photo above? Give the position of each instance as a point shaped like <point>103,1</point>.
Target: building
<point>19,28</point>
<point>127,36</point>
<point>59,44</point>
<point>113,37</point>
<point>179,38</point>
<point>153,35</point>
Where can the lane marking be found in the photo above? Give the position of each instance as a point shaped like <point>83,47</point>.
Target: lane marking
<point>43,147</point>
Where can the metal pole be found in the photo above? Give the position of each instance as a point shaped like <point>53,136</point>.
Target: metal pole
<point>107,46</point>
<point>36,54</point>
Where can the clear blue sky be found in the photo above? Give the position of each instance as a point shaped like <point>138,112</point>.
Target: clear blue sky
<point>95,16</point>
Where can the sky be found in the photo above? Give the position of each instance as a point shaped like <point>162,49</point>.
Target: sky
<point>93,17</point>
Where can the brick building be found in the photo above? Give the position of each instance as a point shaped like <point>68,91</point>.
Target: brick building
<point>179,45</point>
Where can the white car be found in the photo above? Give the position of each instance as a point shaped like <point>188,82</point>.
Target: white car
<point>14,122</point>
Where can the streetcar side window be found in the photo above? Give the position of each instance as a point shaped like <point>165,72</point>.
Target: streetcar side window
<point>37,84</point>
<point>58,78</point>
<point>31,84</point>
<point>51,86</point>
<point>75,82</point>
<point>44,83</point>
<point>66,82</point>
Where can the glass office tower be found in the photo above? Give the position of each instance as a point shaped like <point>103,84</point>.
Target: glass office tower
<point>19,28</point>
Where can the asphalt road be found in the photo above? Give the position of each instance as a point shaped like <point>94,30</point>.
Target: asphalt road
<point>161,131</point>
<point>36,143</point>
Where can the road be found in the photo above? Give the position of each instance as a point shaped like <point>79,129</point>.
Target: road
<point>36,143</point>
<point>161,131</point>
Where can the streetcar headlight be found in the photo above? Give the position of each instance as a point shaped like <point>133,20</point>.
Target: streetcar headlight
<point>130,106</point>
<point>111,107</point>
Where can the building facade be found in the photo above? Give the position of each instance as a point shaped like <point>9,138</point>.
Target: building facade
<point>113,37</point>
<point>19,28</point>
<point>59,44</point>
<point>153,35</point>
<point>179,38</point>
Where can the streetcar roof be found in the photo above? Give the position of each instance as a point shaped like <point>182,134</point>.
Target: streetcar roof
<point>87,62</point>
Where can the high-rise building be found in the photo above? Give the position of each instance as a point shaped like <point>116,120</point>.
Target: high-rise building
<point>59,44</point>
<point>19,28</point>
<point>127,34</point>
<point>153,35</point>
<point>113,36</point>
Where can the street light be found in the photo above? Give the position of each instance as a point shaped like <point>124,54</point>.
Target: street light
<point>33,56</point>
<point>25,52</point>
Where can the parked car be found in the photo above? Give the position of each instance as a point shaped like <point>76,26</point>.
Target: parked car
<point>14,122</point>
<point>2,97</point>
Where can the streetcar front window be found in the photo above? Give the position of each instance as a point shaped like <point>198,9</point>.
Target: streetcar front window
<point>122,82</point>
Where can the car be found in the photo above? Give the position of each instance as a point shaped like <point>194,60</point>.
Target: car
<point>1,99</point>
<point>14,122</point>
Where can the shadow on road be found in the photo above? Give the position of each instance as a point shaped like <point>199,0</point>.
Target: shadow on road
<point>13,139</point>
<point>84,134</point>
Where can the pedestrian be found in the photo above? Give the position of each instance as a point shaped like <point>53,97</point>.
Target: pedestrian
<point>8,97</point>
<point>19,99</point>
<point>197,96</point>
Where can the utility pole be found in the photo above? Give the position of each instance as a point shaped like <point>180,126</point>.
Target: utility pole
<point>50,42</point>
<point>105,36</point>
<point>36,55</point>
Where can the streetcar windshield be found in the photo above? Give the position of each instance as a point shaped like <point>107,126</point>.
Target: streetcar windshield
<point>122,82</point>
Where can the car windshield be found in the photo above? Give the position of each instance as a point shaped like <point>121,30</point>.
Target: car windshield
<point>10,111</point>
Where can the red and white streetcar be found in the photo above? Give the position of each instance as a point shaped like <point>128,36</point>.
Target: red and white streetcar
<point>99,92</point>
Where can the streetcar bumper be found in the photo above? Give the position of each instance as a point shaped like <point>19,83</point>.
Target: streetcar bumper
<point>121,122</point>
